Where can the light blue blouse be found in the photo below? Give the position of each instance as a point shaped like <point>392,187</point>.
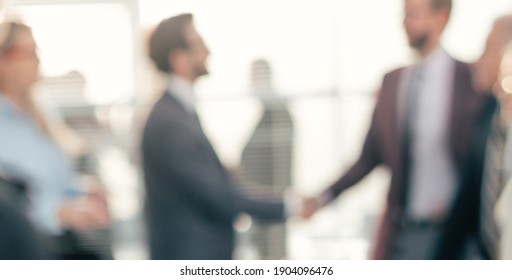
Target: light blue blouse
<point>29,154</point>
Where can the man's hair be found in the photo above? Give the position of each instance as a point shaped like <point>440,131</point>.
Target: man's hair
<point>168,36</point>
<point>442,4</point>
<point>447,5</point>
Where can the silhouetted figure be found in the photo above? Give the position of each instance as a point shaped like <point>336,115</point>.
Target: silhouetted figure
<point>266,163</point>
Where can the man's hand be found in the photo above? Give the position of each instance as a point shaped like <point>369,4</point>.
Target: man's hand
<point>84,213</point>
<point>309,207</point>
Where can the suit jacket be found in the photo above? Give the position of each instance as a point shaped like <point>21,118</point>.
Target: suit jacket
<point>384,145</point>
<point>190,199</point>
<point>465,218</point>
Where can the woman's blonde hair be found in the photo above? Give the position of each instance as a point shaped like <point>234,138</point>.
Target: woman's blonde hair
<point>59,132</point>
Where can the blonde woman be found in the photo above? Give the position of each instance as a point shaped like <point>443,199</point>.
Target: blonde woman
<point>30,152</point>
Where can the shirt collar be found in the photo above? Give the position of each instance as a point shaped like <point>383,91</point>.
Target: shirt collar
<point>437,58</point>
<point>183,91</point>
<point>8,108</point>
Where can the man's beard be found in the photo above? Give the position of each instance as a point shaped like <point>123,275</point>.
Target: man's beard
<point>200,70</point>
<point>419,42</point>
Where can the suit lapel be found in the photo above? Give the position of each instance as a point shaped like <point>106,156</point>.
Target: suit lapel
<point>465,109</point>
<point>458,109</point>
<point>392,116</point>
<point>397,86</point>
<point>192,121</point>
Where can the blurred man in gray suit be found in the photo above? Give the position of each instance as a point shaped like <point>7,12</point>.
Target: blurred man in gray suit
<point>191,201</point>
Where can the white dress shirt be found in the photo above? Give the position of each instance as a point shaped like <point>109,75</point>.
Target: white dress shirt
<point>183,91</point>
<point>433,179</point>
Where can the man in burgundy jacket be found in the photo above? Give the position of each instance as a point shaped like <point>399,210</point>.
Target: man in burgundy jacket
<point>421,130</point>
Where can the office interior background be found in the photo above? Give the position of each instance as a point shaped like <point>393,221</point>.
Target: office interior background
<point>327,59</point>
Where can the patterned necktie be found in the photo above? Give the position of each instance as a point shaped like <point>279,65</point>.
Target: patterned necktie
<point>411,119</point>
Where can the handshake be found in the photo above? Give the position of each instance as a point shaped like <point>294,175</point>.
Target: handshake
<point>304,207</point>
<point>309,207</point>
